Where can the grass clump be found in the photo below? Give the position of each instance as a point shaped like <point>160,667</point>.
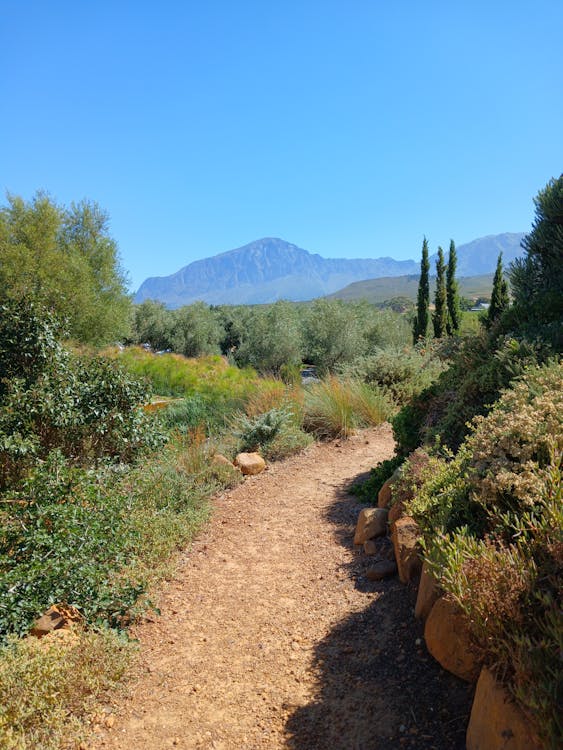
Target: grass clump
<point>336,407</point>
<point>48,686</point>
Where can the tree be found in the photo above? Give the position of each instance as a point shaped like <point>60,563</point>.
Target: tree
<point>440,299</point>
<point>334,333</point>
<point>537,278</point>
<point>499,296</point>
<point>271,338</point>
<point>453,318</point>
<point>420,323</point>
<point>65,260</point>
<point>195,330</point>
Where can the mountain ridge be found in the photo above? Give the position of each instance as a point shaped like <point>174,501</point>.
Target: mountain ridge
<point>271,268</point>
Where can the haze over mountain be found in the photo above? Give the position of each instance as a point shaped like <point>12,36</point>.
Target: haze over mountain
<point>270,269</point>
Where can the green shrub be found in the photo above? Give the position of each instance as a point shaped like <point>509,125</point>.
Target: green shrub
<point>483,366</point>
<point>400,373</point>
<point>258,432</point>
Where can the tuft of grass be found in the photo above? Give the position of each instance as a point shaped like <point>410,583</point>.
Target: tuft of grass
<point>336,407</point>
<point>48,687</point>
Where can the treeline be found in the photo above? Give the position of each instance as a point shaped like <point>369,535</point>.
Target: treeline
<point>272,338</point>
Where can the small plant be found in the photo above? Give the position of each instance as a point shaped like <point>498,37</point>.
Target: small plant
<point>260,431</point>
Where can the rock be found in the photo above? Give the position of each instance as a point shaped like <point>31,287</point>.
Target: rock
<point>428,593</point>
<point>384,496</point>
<point>405,536</point>
<point>395,512</point>
<point>381,569</point>
<point>219,459</point>
<point>370,547</point>
<point>448,640</point>
<point>372,522</point>
<point>250,463</point>
<point>496,722</point>
<point>56,617</point>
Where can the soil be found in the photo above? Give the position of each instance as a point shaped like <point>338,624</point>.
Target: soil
<point>271,636</point>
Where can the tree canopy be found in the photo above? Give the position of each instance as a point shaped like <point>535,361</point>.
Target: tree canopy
<point>65,259</point>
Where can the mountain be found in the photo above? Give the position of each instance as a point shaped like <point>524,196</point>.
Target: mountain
<point>264,271</point>
<point>270,269</point>
<point>480,256</point>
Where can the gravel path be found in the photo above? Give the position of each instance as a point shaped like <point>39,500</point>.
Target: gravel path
<point>271,637</point>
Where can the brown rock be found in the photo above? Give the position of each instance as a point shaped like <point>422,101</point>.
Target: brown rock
<point>381,569</point>
<point>218,458</point>
<point>370,547</point>
<point>384,496</point>
<point>496,722</point>
<point>56,617</point>
<point>250,463</point>
<point>385,493</point>
<point>395,512</point>
<point>428,593</point>
<point>372,522</point>
<point>405,536</point>
<point>447,638</point>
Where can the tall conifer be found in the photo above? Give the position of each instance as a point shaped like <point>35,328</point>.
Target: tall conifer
<point>440,301</point>
<point>499,297</point>
<point>420,323</point>
<point>453,320</point>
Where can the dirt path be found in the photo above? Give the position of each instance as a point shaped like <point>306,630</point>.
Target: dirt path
<point>271,637</point>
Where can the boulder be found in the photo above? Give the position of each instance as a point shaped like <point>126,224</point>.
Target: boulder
<point>381,569</point>
<point>395,512</point>
<point>370,547</point>
<point>372,522</point>
<point>56,617</point>
<point>384,496</point>
<point>250,463</point>
<point>448,640</point>
<point>428,593</point>
<point>405,537</point>
<point>496,722</point>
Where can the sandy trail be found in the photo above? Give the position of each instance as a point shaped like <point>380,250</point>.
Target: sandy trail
<point>271,637</point>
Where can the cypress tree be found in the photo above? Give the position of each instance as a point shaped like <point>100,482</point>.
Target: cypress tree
<point>499,297</point>
<point>420,323</point>
<point>440,301</point>
<point>453,320</point>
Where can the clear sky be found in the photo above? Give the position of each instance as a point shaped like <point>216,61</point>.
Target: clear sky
<point>349,128</point>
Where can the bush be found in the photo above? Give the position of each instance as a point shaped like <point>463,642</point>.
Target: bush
<point>483,366</point>
<point>400,373</point>
<point>257,432</point>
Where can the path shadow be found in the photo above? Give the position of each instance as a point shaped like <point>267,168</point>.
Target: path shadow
<point>378,689</point>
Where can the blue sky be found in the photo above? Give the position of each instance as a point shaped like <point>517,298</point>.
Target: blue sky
<point>349,128</point>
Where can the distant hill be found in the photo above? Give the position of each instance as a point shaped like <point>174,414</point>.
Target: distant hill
<point>270,269</point>
<point>377,291</point>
